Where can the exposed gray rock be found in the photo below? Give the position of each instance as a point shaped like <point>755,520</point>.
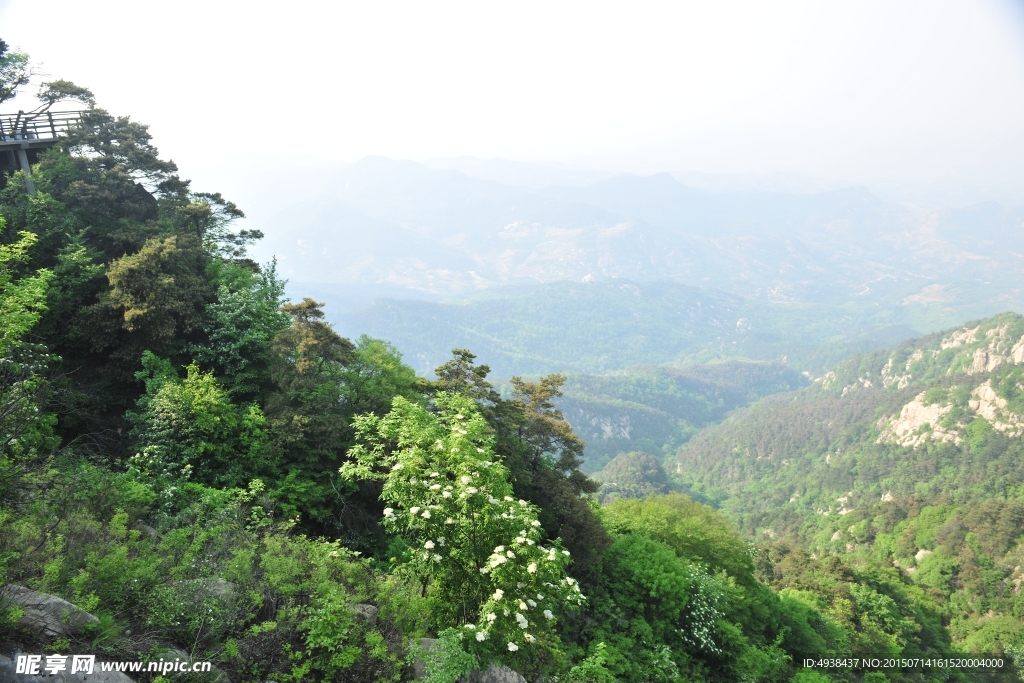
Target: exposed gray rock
<point>493,674</point>
<point>367,612</point>
<point>7,670</point>
<point>419,667</point>
<point>147,530</point>
<point>46,614</point>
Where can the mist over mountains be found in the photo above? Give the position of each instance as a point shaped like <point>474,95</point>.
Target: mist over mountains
<point>442,233</point>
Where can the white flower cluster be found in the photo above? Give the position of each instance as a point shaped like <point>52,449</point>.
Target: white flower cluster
<point>441,493</point>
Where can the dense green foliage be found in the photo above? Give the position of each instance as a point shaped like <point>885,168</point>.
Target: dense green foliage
<point>216,474</point>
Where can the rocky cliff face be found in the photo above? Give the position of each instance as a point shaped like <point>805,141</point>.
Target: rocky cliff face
<point>610,429</point>
<point>971,350</point>
<point>917,423</point>
<point>975,349</point>
<point>971,379</point>
<point>949,419</point>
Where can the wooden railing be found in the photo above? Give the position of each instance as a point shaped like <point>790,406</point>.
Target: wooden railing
<point>47,125</point>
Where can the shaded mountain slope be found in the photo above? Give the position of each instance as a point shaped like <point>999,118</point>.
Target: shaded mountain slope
<point>657,408</point>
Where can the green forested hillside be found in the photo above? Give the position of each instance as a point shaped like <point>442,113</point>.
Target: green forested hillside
<point>205,470</point>
<point>910,458</point>
<point>657,408</point>
<point>597,327</point>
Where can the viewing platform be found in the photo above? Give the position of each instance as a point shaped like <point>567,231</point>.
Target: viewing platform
<point>24,135</point>
<point>35,131</point>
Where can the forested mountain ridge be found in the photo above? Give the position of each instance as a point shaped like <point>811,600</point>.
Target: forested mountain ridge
<point>911,457</point>
<point>611,325</point>
<point>941,390</point>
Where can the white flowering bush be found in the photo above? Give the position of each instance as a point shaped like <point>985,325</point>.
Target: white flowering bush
<point>475,547</point>
<point>702,613</point>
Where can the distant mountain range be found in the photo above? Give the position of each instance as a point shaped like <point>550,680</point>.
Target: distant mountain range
<point>400,228</point>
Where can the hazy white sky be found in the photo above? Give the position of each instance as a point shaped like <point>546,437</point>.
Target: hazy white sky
<point>868,91</point>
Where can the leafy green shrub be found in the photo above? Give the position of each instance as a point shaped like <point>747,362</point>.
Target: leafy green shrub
<point>642,607</point>
<point>446,660</point>
<point>592,669</point>
<point>694,531</point>
<point>936,571</point>
<point>190,427</point>
<point>807,632</point>
<point>977,433</point>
